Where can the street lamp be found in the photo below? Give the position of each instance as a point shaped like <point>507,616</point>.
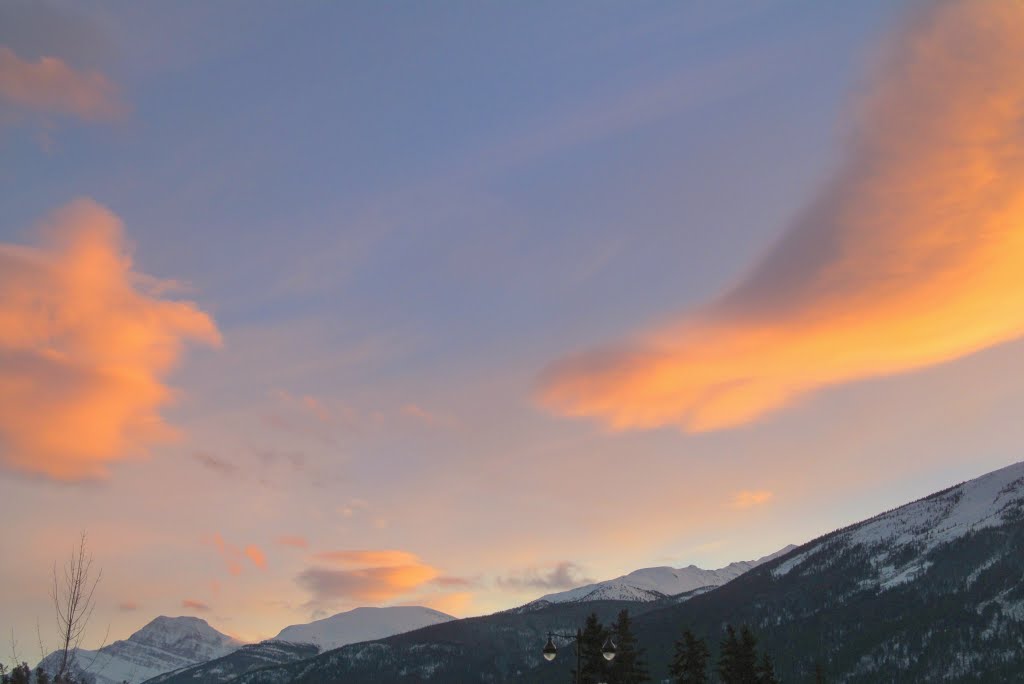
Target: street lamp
<point>608,650</point>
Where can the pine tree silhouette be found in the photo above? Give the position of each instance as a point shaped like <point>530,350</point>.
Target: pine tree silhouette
<point>628,667</point>
<point>593,667</point>
<point>690,662</point>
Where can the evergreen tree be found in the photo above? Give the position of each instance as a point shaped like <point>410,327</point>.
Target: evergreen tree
<point>766,670</point>
<point>628,667</point>
<point>21,674</point>
<point>690,662</point>
<point>593,667</point>
<point>728,652</point>
<point>42,676</point>
<point>746,660</point>
<point>737,660</point>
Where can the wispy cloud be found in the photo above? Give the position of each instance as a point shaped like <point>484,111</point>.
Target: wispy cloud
<point>84,350</point>
<point>450,582</point>
<point>127,606</point>
<point>911,256</point>
<point>215,463</point>
<point>230,553</point>
<point>751,498</point>
<point>49,85</point>
<point>194,605</point>
<point>256,555</point>
<point>564,575</point>
<point>293,541</point>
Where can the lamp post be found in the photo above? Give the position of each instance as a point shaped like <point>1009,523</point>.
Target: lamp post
<point>608,650</point>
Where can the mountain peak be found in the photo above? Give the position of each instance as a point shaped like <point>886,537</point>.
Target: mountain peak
<point>362,624</point>
<point>162,644</point>
<point>651,584</point>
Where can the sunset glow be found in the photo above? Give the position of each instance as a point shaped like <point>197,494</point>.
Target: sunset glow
<point>910,256</point>
<point>310,307</point>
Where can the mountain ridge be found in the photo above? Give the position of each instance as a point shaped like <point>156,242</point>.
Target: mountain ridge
<point>927,591</point>
<point>162,644</point>
<point>655,583</point>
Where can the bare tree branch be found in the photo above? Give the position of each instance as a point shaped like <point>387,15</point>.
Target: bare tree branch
<point>73,603</point>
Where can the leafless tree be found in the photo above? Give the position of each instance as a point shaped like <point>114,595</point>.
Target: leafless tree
<point>72,597</point>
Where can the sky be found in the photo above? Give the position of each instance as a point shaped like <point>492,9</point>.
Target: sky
<point>305,307</point>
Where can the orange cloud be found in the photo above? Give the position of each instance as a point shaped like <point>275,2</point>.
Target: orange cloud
<point>84,348</point>
<point>293,541</point>
<point>50,85</point>
<point>198,606</point>
<point>380,557</point>
<point>751,498</point>
<point>373,585</point>
<point>230,553</point>
<point>256,556</point>
<point>913,255</point>
<point>384,575</point>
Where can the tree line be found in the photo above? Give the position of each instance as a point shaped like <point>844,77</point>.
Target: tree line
<point>738,660</point>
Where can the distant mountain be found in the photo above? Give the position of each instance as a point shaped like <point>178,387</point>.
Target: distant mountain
<point>931,591</point>
<point>166,643</point>
<point>362,624</point>
<point>238,662</point>
<point>502,647</point>
<point>654,584</point>
<point>299,642</point>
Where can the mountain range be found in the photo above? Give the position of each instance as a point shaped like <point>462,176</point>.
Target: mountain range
<point>926,592</point>
<point>299,642</point>
<point>654,584</point>
<point>930,591</point>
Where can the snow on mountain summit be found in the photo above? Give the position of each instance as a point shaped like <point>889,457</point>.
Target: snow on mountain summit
<point>651,584</point>
<point>362,624</point>
<point>164,644</point>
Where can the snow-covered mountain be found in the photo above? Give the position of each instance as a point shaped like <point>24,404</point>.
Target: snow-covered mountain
<point>931,591</point>
<point>887,540</point>
<point>362,624</point>
<point>166,643</point>
<point>653,584</point>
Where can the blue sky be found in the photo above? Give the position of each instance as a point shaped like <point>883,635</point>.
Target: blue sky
<point>398,216</point>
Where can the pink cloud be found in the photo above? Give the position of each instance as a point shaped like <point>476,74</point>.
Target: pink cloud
<point>751,498</point>
<point>49,85</point>
<point>255,555</point>
<point>231,554</point>
<point>293,541</point>
<point>198,606</point>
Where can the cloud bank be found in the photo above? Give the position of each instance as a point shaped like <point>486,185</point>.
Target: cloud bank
<point>368,576</point>
<point>913,254</point>
<point>84,349</point>
<point>49,85</point>
<point>564,575</point>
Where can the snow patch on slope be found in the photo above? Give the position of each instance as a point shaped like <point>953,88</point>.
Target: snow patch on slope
<point>896,542</point>
<point>652,584</point>
<point>362,624</point>
<point>165,644</point>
